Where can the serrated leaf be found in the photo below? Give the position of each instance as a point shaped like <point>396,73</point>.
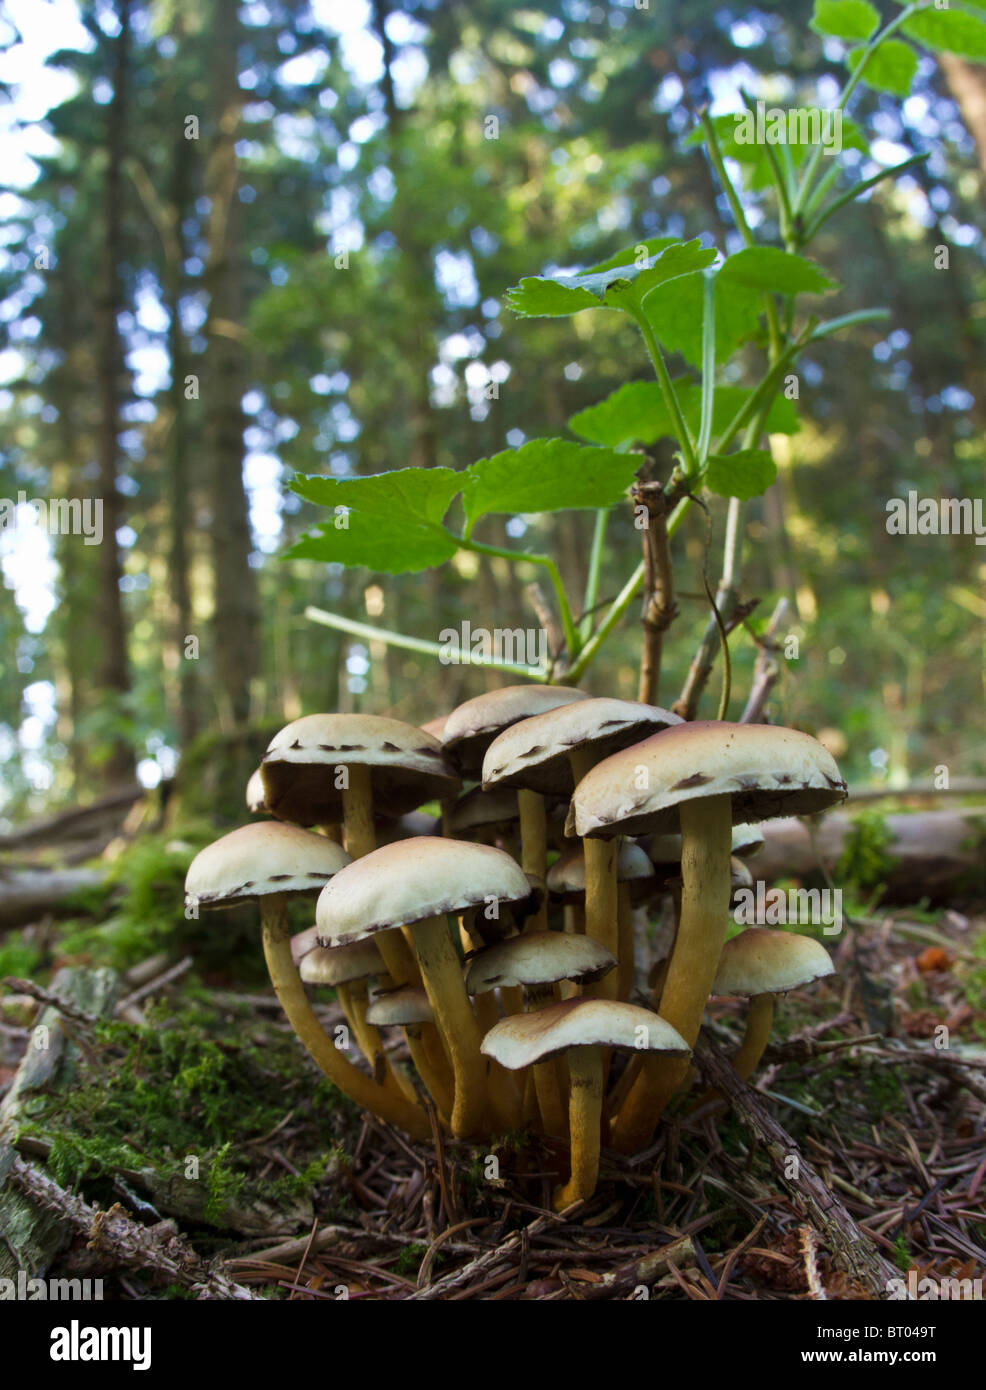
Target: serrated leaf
<point>417,494</point>
<point>891,67</point>
<point>385,544</point>
<point>653,246</point>
<point>745,474</point>
<point>622,286</point>
<point>547,475</point>
<point>636,413</point>
<point>948,31</point>
<point>770,268</point>
<point>845,19</point>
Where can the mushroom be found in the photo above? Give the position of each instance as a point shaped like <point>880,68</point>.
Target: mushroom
<point>268,861</point>
<point>324,768</point>
<point>546,756</point>
<point>697,780</point>
<point>408,1007</point>
<point>635,881</point>
<point>582,1029</point>
<point>255,794</point>
<point>537,961</point>
<point>761,964</point>
<point>415,884</point>
<point>347,970</point>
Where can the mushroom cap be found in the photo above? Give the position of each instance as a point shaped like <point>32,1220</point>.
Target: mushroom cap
<point>524,1039</point>
<point>472,727</point>
<point>538,958</point>
<point>302,942</point>
<point>747,841</point>
<point>339,965</point>
<point>761,961</point>
<point>765,769</point>
<point>265,857</point>
<point>566,877</point>
<point>665,850</point>
<point>436,726</point>
<point>298,769</point>
<point>411,880</point>
<point>739,875</point>
<point>255,794</point>
<point>408,1004</point>
<point>535,752</point>
<point>406,827</point>
<point>479,809</point>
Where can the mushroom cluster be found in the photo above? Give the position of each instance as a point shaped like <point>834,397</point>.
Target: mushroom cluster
<point>501,934</point>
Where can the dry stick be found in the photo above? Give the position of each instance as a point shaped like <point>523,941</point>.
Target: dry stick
<point>766,669</point>
<point>461,1277</point>
<point>660,607</point>
<point>850,1246</point>
<point>112,1233</point>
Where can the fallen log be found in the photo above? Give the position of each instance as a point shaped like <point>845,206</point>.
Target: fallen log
<point>27,894</point>
<point>939,855</point>
<point>77,823</point>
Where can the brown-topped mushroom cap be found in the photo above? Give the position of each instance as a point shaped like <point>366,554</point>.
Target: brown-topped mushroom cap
<point>524,1039</point>
<point>566,877</point>
<point>538,958</point>
<point>299,768</point>
<point>266,857</point>
<point>470,729</point>
<point>535,752</point>
<point>413,880</point>
<point>761,961</point>
<point>340,965</point>
<point>766,770</point>
<point>400,1007</point>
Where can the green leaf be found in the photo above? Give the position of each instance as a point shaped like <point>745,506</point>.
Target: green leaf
<point>386,544</point>
<point>948,31</point>
<point>416,494</point>
<point>623,285</point>
<point>547,475</point>
<point>891,67</point>
<point>734,135</point>
<point>636,413</point>
<point>747,473</point>
<point>845,19</point>
<point>653,245</point>
<point>769,268</point>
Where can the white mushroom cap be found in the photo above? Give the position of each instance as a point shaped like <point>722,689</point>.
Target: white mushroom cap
<point>407,1005</point>
<point>766,770</point>
<point>298,769</point>
<point>302,942</point>
<point>665,850</point>
<point>524,1039</point>
<point>266,857</point>
<point>339,965</point>
<point>739,875</point>
<point>538,958</point>
<point>408,881</point>
<point>470,729</point>
<point>535,752</point>
<point>747,840</point>
<point>255,794</point>
<point>566,877</point>
<point>477,809</point>
<point>761,961</point>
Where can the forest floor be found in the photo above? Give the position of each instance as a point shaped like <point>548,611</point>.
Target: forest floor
<point>231,1168</point>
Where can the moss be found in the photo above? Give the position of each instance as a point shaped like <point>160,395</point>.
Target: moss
<point>865,863</point>
<point>18,957</point>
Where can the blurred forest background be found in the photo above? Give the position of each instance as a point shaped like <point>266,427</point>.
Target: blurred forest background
<point>246,240</point>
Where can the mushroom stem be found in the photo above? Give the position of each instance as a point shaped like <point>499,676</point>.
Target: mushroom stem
<point>706,839</point>
<point>601,920</point>
<point>357,811</point>
<point>436,1080</point>
<point>624,920</point>
<point>442,976</point>
<point>534,848</point>
<point>585,1107</point>
<point>505,1097</point>
<point>546,1082</point>
<point>759,1020</point>
<point>352,1001</point>
<point>290,991</point>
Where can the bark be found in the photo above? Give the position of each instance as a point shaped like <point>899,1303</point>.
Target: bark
<point>235,623</point>
<point>967,84</point>
<point>113,664</point>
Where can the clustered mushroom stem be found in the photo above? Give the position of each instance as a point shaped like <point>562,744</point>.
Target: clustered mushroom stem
<point>585,1107</point>
<point>706,842</point>
<point>352,1001</point>
<point>600,884</point>
<point>625,953</point>
<point>357,811</point>
<point>546,1082</point>
<point>436,1079</point>
<point>442,976</point>
<point>390,1107</point>
<point>759,1020</point>
<point>534,848</point>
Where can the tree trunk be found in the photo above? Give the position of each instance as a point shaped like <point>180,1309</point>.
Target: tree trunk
<point>113,664</point>
<point>235,617</point>
<point>967,84</point>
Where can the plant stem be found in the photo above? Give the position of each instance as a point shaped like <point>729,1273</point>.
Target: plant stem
<point>682,433</point>
<point>572,639</point>
<point>595,571</point>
